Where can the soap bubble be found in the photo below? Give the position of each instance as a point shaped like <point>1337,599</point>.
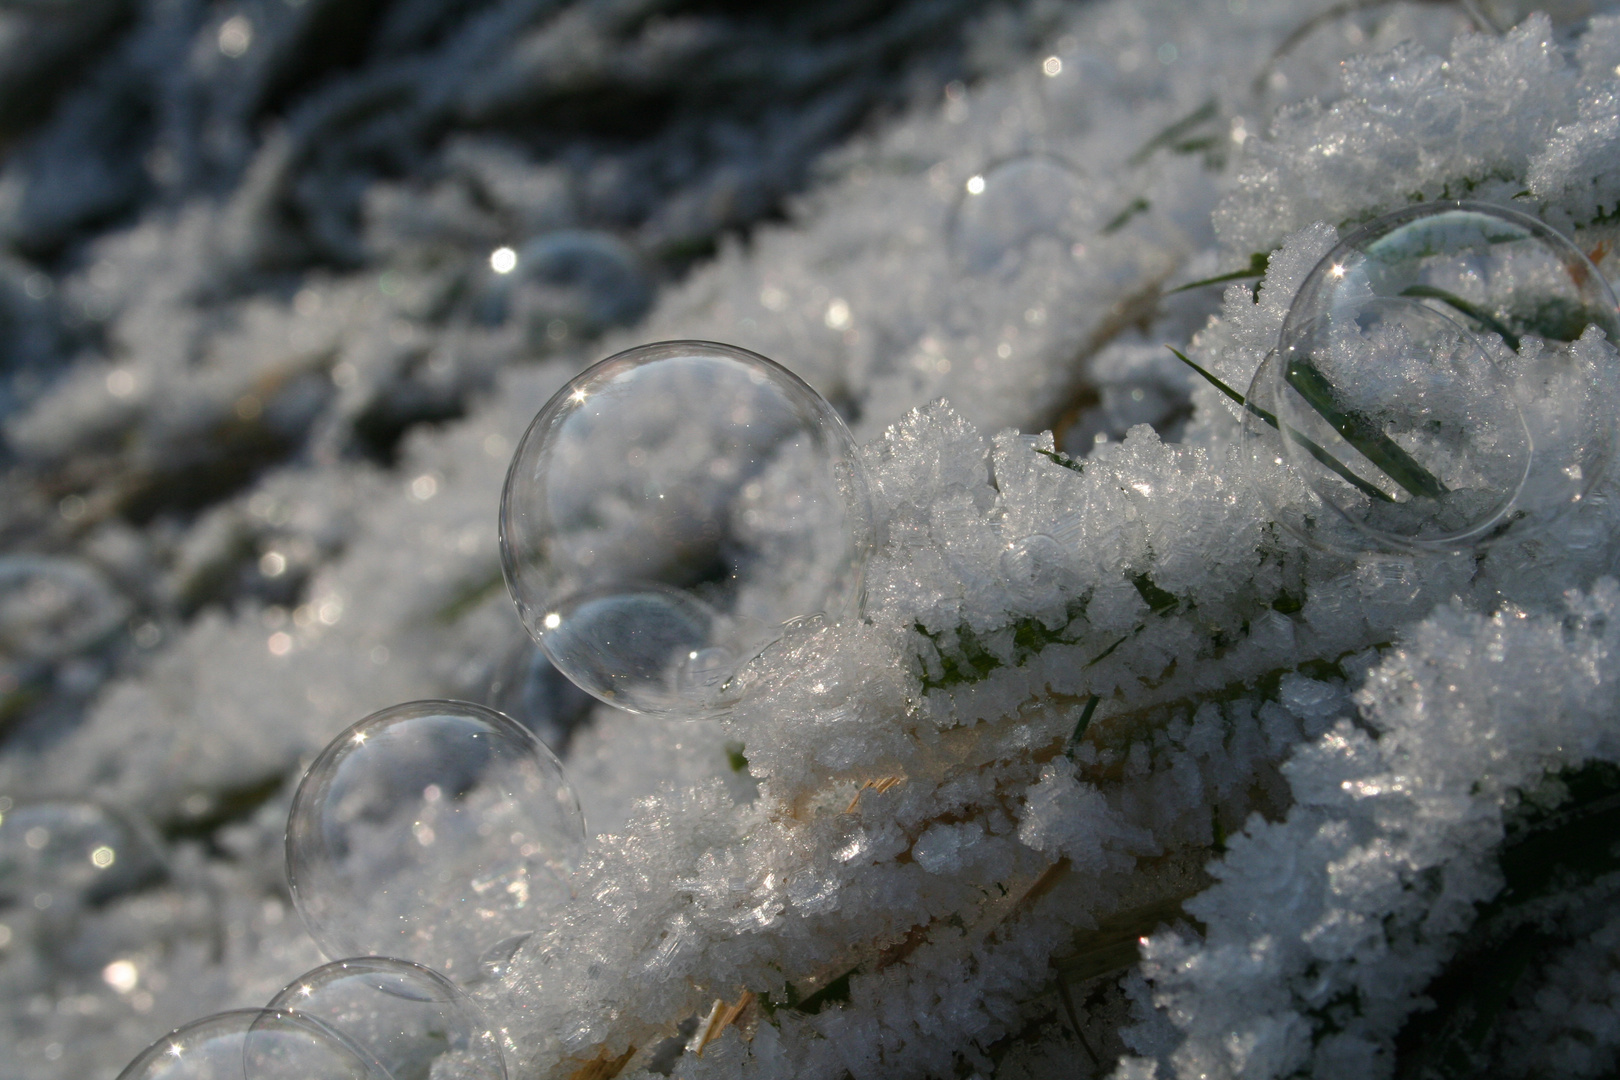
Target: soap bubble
<point>673,508</point>
<point>431,831</point>
<point>411,1021</point>
<point>1434,384</point>
<point>1010,204</point>
<point>51,608</point>
<point>60,855</point>
<point>570,283</point>
<point>252,1044</point>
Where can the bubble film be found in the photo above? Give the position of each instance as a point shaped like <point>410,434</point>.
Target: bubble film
<point>669,511</point>
<point>430,831</point>
<point>411,1021</point>
<point>1442,380</point>
<point>1010,205</point>
<point>252,1044</point>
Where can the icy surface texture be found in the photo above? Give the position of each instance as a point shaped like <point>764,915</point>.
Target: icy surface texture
<point>1344,911</point>
<point>928,845</point>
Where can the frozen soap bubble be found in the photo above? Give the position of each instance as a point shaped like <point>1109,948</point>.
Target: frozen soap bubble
<point>670,512</point>
<point>1007,206</point>
<point>1442,379</point>
<point>252,1044</point>
<point>431,831</point>
<point>60,855</point>
<point>411,1021</point>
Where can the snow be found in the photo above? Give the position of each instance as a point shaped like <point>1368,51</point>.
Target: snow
<point>265,377</point>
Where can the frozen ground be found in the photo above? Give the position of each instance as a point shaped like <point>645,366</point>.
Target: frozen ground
<point>286,281</point>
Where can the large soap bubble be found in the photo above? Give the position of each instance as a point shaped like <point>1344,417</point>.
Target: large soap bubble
<point>431,831</point>
<point>252,1044</point>
<point>670,512</point>
<point>412,1022</point>
<point>1442,380</point>
<point>1013,203</point>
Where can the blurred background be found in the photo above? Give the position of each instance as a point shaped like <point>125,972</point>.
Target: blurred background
<point>241,236</point>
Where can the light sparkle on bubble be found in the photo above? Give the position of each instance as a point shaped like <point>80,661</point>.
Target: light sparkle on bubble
<point>975,185</point>
<point>503,260</point>
<point>235,36</point>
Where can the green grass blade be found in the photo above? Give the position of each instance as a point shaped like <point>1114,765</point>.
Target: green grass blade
<point>1360,432</point>
<point>1081,725</point>
<point>1177,131</point>
<point>1120,220</point>
<point>1311,448</point>
<point>1258,262</point>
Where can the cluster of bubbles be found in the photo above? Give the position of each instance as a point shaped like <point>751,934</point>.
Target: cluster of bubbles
<point>678,508</point>
<point>420,845</point>
<point>670,514</point>
<point>371,1018</point>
